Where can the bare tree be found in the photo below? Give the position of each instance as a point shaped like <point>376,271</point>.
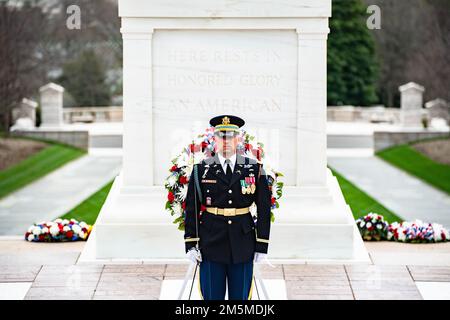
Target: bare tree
<point>413,45</point>
<point>35,43</point>
<point>21,26</point>
<point>100,30</point>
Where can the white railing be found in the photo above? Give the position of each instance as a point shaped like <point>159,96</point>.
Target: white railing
<point>93,114</point>
<point>363,114</point>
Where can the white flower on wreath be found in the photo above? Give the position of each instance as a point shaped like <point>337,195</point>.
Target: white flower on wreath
<point>187,170</point>
<point>401,235</point>
<point>66,228</point>
<point>183,160</point>
<point>389,235</point>
<point>54,230</point>
<point>269,171</point>
<point>177,208</point>
<point>172,180</point>
<point>30,237</point>
<point>446,233</point>
<point>182,192</point>
<point>76,228</point>
<point>274,190</point>
<point>438,231</point>
<point>199,157</point>
<point>36,231</point>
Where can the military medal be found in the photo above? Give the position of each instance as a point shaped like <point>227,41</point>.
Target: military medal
<point>253,185</point>
<point>243,187</point>
<point>247,182</point>
<point>208,201</point>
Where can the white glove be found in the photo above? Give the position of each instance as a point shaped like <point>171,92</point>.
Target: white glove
<point>194,255</point>
<point>259,257</point>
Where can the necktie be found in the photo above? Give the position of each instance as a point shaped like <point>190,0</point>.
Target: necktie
<point>228,169</point>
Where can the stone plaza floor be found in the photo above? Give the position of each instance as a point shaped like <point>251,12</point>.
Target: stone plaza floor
<point>50,271</point>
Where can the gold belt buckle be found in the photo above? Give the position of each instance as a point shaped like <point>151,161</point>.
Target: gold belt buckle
<point>229,212</point>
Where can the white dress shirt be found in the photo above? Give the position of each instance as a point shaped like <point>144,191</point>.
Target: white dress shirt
<point>222,162</point>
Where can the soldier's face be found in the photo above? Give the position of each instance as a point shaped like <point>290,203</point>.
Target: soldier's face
<point>226,145</point>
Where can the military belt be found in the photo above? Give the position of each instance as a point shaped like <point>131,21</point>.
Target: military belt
<point>228,211</point>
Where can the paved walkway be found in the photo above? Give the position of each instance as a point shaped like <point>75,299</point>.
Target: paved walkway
<point>398,271</point>
<point>404,194</point>
<point>57,192</point>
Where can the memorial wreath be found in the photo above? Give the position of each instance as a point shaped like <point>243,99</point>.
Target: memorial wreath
<point>58,230</point>
<point>373,227</point>
<point>202,148</point>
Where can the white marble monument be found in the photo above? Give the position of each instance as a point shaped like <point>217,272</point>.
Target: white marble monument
<point>51,105</point>
<point>411,103</point>
<point>185,62</point>
<point>438,108</point>
<point>24,115</point>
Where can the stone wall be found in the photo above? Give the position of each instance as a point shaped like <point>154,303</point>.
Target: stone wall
<point>386,139</point>
<point>78,139</point>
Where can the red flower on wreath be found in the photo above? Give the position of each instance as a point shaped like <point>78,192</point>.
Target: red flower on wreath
<point>183,180</point>
<point>170,197</point>
<point>257,153</point>
<point>174,168</point>
<point>195,147</point>
<point>69,234</point>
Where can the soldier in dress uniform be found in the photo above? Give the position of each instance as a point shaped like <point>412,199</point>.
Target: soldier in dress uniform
<point>224,238</point>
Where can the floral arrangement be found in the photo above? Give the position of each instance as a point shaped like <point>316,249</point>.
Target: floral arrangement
<point>373,227</point>
<point>202,148</point>
<point>417,232</point>
<point>58,230</point>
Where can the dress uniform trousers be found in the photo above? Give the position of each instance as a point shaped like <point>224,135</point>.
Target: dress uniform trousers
<point>214,277</point>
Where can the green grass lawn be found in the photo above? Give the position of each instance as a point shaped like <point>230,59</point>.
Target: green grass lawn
<point>361,203</point>
<point>89,209</point>
<point>36,166</point>
<point>415,163</point>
